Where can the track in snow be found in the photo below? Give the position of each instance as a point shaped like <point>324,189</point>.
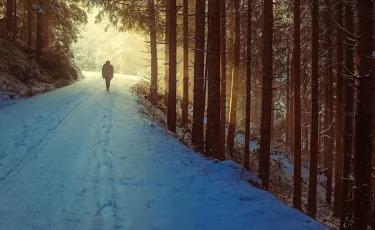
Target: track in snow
<point>83,158</point>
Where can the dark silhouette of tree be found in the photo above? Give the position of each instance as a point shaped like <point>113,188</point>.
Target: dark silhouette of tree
<point>265,135</point>
<point>235,76</point>
<point>171,119</point>
<point>312,190</point>
<point>213,72</point>
<point>154,54</point>
<point>349,111</point>
<point>199,95</point>
<point>185,97</point>
<point>364,83</point>
<point>339,110</point>
<point>223,74</point>
<point>297,105</point>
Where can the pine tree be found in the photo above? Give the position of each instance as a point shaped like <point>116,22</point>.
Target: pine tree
<point>248,86</point>
<point>223,74</point>
<point>9,15</point>
<point>364,83</point>
<point>235,76</point>
<point>213,72</point>
<point>297,106</point>
<point>199,95</point>
<point>154,53</point>
<point>171,118</point>
<point>185,97</point>
<point>265,136</point>
<point>349,111</point>
<point>313,168</point>
<point>339,111</point>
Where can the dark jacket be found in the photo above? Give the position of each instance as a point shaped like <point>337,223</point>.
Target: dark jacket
<point>107,71</point>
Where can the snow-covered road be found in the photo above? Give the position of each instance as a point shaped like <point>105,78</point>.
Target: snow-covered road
<point>83,158</point>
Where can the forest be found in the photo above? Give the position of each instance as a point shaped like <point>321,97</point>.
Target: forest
<point>256,82</point>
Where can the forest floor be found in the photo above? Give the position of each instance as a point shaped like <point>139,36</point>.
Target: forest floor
<point>281,175</point>
<point>83,158</point>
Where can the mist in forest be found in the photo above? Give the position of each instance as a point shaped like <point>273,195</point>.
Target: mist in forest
<point>101,41</point>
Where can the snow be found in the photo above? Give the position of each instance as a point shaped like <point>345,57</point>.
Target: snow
<point>83,158</point>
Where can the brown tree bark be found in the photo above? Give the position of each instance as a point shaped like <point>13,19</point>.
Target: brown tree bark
<point>328,116</point>
<point>313,168</point>
<point>287,123</point>
<point>39,36</point>
<point>166,53</point>
<point>185,97</point>
<point>248,86</point>
<point>199,95</point>
<point>349,111</point>
<point>154,54</point>
<point>9,15</point>
<point>213,71</point>
<point>29,23</point>
<point>235,76</point>
<point>267,59</point>
<point>171,118</point>
<point>223,73</point>
<point>14,27</point>
<point>339,111</point>
<point>297,106</point>
<point>364,83</point>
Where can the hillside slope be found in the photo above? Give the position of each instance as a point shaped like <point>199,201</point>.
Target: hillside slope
<point>21,76</point>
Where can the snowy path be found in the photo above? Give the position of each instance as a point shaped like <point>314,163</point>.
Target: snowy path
<point>83,158</point>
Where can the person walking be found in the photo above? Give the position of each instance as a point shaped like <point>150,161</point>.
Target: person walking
<point>107,73</point>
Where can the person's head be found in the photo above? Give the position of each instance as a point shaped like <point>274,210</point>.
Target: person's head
<point>108,62</point>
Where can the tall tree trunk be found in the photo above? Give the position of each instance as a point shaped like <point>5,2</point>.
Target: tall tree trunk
<point>171,119</point>
<point>9,21</point>
<point>297,107</point>
<point>328,127</point>
<point>166,50</point>
<point>39,36</point>
<point>364,83</point>
<point>199,95</point>
<point>339,112</point>
<point>185,98</point>
<point>213,71</point>
<point>248,86</point>
<point>14,20</point>
<point>292,104</point>
<point>154,54</point>
<point>235,76</point>
<point>265,138</point>
<point>29,23</point>
<point>223,73</point>
<point>313,168</point>
<point>349,111</point>
<point>287,118</point>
